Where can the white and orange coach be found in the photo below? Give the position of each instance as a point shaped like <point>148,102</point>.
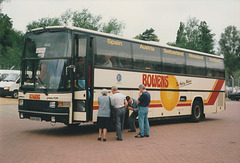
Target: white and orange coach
<point>64,70</point>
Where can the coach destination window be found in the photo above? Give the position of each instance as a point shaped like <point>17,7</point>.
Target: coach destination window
<point>195,64</point>
<point>113,53</point>
<point>173,61</point>
<point>146,57</point>
<point>215,67</point>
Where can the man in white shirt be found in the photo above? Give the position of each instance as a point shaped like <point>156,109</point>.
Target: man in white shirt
<point>107,62</point>
<point>119,103</point>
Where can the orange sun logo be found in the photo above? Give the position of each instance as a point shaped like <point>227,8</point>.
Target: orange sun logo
<point>170,98</point>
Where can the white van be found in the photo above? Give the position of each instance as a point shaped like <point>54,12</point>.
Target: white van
<point>9,85</point>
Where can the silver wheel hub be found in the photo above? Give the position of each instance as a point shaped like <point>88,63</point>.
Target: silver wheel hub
<point>197,111</point>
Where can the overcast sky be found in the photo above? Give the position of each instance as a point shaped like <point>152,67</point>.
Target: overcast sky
<point>163,16</point>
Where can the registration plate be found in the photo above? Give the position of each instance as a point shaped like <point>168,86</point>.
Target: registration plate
<point>35,118</point>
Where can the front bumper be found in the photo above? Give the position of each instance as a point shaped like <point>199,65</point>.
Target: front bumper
<point>4,92</point>
<point>41,109</point>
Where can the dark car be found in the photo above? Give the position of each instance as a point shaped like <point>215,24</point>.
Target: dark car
<point>234,96</point>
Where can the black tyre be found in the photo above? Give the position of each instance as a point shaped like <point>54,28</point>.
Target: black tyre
<point>232,98</point>
<point>197,111</point>
<point>15,94</point>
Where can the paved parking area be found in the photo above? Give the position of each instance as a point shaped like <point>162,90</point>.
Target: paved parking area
<point>216,139</point>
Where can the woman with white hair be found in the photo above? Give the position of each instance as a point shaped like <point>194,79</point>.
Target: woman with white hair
<point>103,117</point>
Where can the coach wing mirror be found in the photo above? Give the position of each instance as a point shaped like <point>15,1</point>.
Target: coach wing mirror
<point>70,67</point>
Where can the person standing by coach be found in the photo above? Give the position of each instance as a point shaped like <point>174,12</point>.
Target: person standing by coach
<point>132,105</point>
<point>144,101</point>
<point>119,103</point>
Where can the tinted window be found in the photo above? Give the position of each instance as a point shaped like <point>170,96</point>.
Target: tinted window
<point>113,53</point>
<point>215,67</point>
<point>48,45</point>
<point>173,61</point>
<point>146,57</point>
<point>195,64</point>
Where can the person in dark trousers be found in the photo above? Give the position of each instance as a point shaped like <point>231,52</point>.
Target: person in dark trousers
<point>143,102</point>
<point>132,105</point>
<point>119,103</point>
<point>103,117</point>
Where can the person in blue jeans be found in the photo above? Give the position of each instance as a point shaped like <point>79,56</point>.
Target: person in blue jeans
<point>143,100</point>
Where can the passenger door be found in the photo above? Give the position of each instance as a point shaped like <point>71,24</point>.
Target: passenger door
<point>82,108</point>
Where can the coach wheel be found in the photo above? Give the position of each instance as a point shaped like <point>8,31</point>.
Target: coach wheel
<point>15,94</point>
<point>197,111</point>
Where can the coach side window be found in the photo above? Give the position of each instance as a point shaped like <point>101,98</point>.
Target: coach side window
<point>195,64</point>
<point>112,53</point>
<point>146,57</point>
<point>173,61</point>
<point>215,67</point>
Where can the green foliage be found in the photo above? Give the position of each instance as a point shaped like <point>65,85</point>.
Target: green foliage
<point>230,47</point>
<point>206,41</point>
<point>5,33</point>
<point>44,22</point>
<point>1,1</point>
<point>236,75</point>
<point>66,17</point>
<point>113,26</point>
<point>11,44</point>
<point>82,19</point>
<point>195,36</point>
<point>181,36</point>
<point>147,35</point>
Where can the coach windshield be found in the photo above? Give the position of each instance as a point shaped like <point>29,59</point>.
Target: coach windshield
<point>45,59</point>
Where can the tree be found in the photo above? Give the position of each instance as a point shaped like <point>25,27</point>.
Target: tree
<point>192,33</point>
<point>5,32</point>
<point>181,36</point>
<point>82,19</point>
<point>85,19</point>
<point>195,36</point>
<point>66,17</point>
<point>113,26</point>
<point>11,44</point>
<point>147,35</point>
<point>206,41</point>
<point>44,22</point>
<point>230,47</point>
<point>1,1</point>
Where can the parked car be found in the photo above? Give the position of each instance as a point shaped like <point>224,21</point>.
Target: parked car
<point>9,86</point>
<point>234,96</point>
<point>228,90</point>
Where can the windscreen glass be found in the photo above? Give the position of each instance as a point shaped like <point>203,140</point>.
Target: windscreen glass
<point>46,58</point>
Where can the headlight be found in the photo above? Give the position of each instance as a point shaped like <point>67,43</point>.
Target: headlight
<point>21,116</point>
<point>6,88</point>
<point>52,104</point>
<point>53,119</point>
<point>21,102</point>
